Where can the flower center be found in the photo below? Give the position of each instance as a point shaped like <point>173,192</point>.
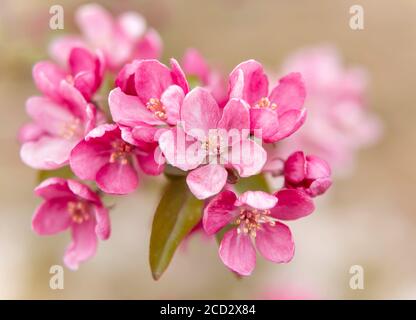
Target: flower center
<point>71,129</point>
<point>79,211</point>
<point>214,144</point>
<point>121,151</point>
<point>250,220</point>
<point>156,106</point>
<point>264,103</point>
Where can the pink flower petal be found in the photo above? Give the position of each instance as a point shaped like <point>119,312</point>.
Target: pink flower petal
<point>53,188</point>
<point>150,164</point>
<point>30,132</point>
<point>47,153</point>
<point>200,112</point>
<point>132,25</point>
<point>319,186</point>
<point>49,115</point>
<point>295,167</point>
<point>236,116</point>
<point>264,122</point>
<point>179,150</point>
<point>293,204</point>
<point>207,180</point>
<point>88,157</point>
<point>255,85</point>
<point>125,78</point>
<point>237,252</point>
<point>61,47</point>
<point>275,243</point>
<point>172,99</point>
<point>51,217</point>
<point>151,79</point>
<point>129,110</point>
<point>83,245</point>
<point>47,76</point>
<point>178,76</point>
<point>289,123</point>
<point>219,212</point>
<point>257,200</point>
<point>289,94</point>
<point>316,168</point>
<point>247,157</point>
<point>117,178</point>
<point>103,226</point>
<point>194,64</point>
<point>149,46</point>
<point>83,191</point>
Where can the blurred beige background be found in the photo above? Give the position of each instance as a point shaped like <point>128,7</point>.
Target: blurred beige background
<point>368,219</point>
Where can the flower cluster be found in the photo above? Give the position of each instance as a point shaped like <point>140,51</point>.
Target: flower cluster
<point>164,118</point>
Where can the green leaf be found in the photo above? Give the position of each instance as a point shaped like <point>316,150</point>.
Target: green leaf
<point>177,213</point>
<point>64,172</point>
<point>255,183</point>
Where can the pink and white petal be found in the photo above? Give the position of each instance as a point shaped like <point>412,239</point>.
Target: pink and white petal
<point>52,117</point>
<point>103,226</point>
<point>125,78</point>
<point>53,188</point>
<point>219,212</point>
<point>289,123</point>
<point>181,151</point>
<point>247,157</point>
<point>275,243</point>
<point>293,204</point>
<point>255,83</point>
<point>117,178</point>
<point>264,123</point>
<point>83,191</point>
<point>151,163</point>
<point>149,46</point>
<point>96,24</point>
<point>178,76</point>
<point>47,153</point>
<point>172,99</point>
<point>319,186</point>
<point>83,245</point>
<point>47,77</point>
<point>88,157</point>
<point>194,64</point>
<point>61,47</point>
<point>30,132</point>
<point>257,200</point>
<point>289,94</point>
<point>295,167</point>
<point>199,112</point>
<point>237,252</point>
<point>51,217</point>
<point>132,25</point>
<point>316,168</point>
<point>74,99</point>
<point>236,116</point>
<point>207,180</point>
<point>129,110</point>
<point>152,78</point>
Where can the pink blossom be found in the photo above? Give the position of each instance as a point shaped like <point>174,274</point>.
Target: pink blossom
<point>110,156</point>
<point>83,70</point>
<point>121,39</point>
<point>69,204</point>
<point>253,217</point>
<point>308,173</point>
<point>148,92</point>
<point>195,65</point>
<point>56,127</point>
<point>205,148</point>
<point>339,122</point>
<point>278,113</point>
